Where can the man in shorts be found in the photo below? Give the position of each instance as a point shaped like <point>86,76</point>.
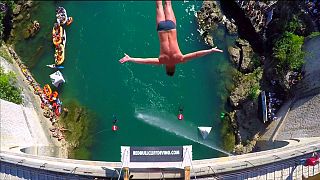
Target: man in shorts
<point>170,53</point>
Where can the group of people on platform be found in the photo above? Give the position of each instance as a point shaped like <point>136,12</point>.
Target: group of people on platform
<point>313,7</point>
<point>34,28</point>
<point>61,15</point>
<point>260,13</point>
<point>273,104</point>
<point>57,132</point>
<point>57,34</point>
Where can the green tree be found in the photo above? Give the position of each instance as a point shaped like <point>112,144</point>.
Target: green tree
<point>8,91</point>
<point>294,25</point>
<point>288,52</point>
<point>254,91</point>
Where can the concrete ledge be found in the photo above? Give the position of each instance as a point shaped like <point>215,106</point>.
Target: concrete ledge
<point>205,167</point>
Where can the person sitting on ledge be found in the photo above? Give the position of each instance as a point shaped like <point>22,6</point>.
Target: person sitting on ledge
<point>170,53</point>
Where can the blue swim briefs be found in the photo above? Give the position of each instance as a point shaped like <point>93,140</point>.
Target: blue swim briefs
<point>166,25</point>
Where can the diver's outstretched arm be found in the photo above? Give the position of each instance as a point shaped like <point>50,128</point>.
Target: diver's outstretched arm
<point>201,53</point>
<point>127,58</point>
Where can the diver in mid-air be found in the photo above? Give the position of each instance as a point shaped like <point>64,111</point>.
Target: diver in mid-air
<point>170,53</point>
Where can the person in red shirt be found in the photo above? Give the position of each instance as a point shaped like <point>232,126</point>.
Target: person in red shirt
<point>170,53</point>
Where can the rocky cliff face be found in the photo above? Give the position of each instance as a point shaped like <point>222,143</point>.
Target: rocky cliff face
<point>20,8</point>
<point>258,12</point>
<point>244,119</point>
<point>21,11</point>
<point>241,55</point>
<point>244,83</point>
<point>210,17</point>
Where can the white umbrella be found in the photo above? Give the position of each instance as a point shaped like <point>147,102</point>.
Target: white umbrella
<point>204,131</point>
<point>57,78</point>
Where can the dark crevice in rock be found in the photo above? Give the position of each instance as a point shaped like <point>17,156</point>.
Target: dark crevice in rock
<point>245,28</point>
<point>241,56</point>
<point>7,24</point>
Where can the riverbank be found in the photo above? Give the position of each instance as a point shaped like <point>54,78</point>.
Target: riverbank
<point>20,33</point>
<point>260,64</point>
<point>243,100</point>
<point>31,103</point>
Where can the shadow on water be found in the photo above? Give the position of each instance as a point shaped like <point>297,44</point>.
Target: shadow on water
<point>169,123</point>
<point>36,56</point>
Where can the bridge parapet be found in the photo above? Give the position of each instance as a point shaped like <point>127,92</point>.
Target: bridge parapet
<point>295,149</point>
<point>293,152</point>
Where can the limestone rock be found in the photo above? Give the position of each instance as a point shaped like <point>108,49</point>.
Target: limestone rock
<point>241,55</point>
<point>249,127</point>
<point>28,16</point>
<point>231,27</point>
<point>247,64</point>
<point>236,96</point>
<point>209,40</point>
<point>28,4</point>
<point>17,9</point>
<point>209,17</point>
<point>234,54</point>
<point>18,18</point>
<point>11,34</point>
<point>244,84</point>
<point>256,12</point>
<point>243,149</point>
<point>239,149</point>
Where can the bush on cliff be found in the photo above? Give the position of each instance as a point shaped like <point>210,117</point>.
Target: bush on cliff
<point>296,26</point>
<point>288,52</point>
<point>247,87</point>
<point>254,78</point>
<point>254,91</point>
<point>8,91</point>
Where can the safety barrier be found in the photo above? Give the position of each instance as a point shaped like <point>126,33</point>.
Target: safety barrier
<point>253,164</point>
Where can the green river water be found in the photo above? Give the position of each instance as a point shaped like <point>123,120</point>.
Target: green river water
<point>144,99</point>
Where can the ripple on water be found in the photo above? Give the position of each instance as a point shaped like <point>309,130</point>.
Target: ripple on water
<point>167,122</point>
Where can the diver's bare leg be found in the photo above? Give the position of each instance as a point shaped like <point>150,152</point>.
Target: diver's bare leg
<point>160,13</point>
<point>168,11</point>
